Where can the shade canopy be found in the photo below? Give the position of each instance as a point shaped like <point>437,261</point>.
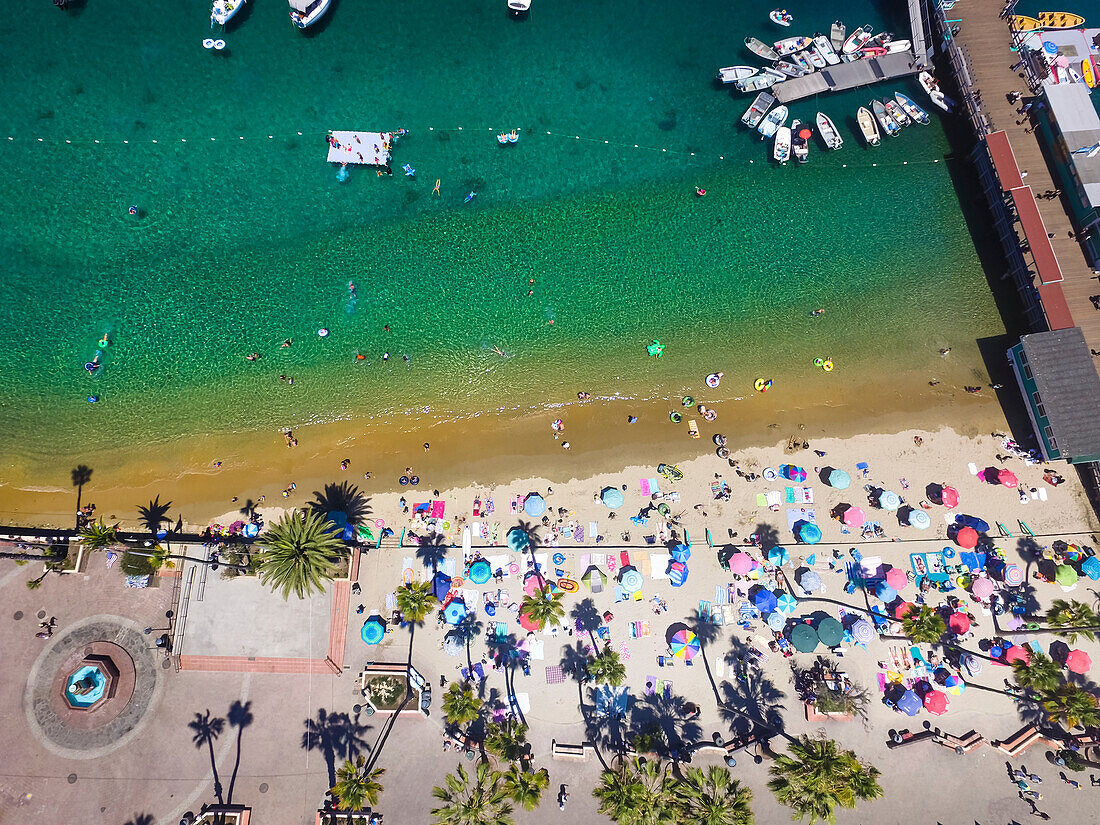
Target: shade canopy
<point>534,505</point>
<point>889,500</point>
<point>684,645</point>
<point>811,582</point>
<point>1077,661</point>
<point>936,702</point>
<point>594,579</point>
<point>631,580</point>
<point>612,497</point>
<point>765,601</point>
<point>1013,574</point>
<point>854,517</point>
<point>885,592</point>
<point>863,631</point>
<point>804,638</point>
<point>919,519</point>
<point>480,571</point>
<point>777,621</point>
<point>808,532</point>
<point>455,612</point>
<point>982,587</point>
<point>836,478</point>
<point>786,603</point>
<point>909,703</point>
<point>527,623</point>
<point>518,540</point>
<point>903,608</point>
<point>677,573</point>
<point>778,556</point>
<point>950,497</point>
<point>959,623</point>
<point>374,630</point>
<point>967,537</point>
<point>441,585</point>
<point>681,552</point>
<point>740,563</point>
<point>1065,575</point>
<point>896,578</point>
<point>830,632</point>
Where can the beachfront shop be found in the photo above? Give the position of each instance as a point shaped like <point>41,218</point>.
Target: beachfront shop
<point>1061,392</point>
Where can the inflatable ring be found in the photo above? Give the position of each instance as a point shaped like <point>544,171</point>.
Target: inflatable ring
<point>568,585</point>
<point>710,415</point>
<point>322,332</point>
<point>403,480</point>
<point>723,452</point>
<point>93,399</point>
<point>103,342</point>
<point>414,480</point>
<point>208,43</point>
<point>490,609</point>
<point>379,523</point>
<point>457,581</point>
<point>407,576</point>
<point>827,366</point>
<point>963,581</point>
<point>761,384</point>
<point>513,568</point>
<point>713,380</point>
<point>687,401</point>
<point>949,552</point>
<point>559,558</point>
<point>91,366</point>
<point>675,417</point>
<point>818,362</point>
<point>720,439</point>
<point>446,525</point>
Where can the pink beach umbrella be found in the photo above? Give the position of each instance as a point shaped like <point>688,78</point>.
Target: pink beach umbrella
<point>902,609</point>
<point>527,623</point>
<point>936,702</point>
<point>854,517</point>
<point>1007,478</point>
<point>950,497</point>
<point>1013,575</point>
<point>959,623</point>
<point>740,563</point>
<point>1017,654</point>
<point>982,587</point>
<point>896,578</point>
<point>1077,661</point>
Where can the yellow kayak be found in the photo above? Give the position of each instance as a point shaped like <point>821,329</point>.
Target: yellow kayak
<point>1060,20</point>
<point>1087,73</point>
<point>1025,24</point>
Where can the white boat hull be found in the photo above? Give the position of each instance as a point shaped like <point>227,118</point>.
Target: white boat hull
<point>729,74</point>
<point>868,126</point>
<point>825,48</point>
<point>781,152</point>
<point>828,131</point>
<point>929,84</point>
<point>224,10</point>
<point>305,15</point>
<point>776,118</point>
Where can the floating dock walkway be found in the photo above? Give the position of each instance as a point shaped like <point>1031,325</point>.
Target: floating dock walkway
<point>369,148</point>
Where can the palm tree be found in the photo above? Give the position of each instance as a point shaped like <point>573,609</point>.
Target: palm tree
<point>460,706</point>
<point>607,667</point>
<point>154,514</point>
<point>637,792</point>
<point>300,554</point>
<point>356,786</point>
<point>343,498</point>
<point>97,535</point>
<point>1071,706</point>
<point>482,801</point>
<point>525,789</point>
<point>1073,616</point>
<point>543,609</point>
<point>816,777</point>
<point>713,797</point>
<point>507,740</point>
<point>923,624</point>
<point>206,729</point>
<point>1041,675</point>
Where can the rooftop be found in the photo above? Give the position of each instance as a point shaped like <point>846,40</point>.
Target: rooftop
<point>1069,386</point>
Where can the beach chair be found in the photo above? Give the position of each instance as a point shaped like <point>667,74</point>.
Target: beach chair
<point>693,428</point>
<point>704,611</point>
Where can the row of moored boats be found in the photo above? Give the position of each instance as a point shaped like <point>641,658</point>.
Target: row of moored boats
<point>303,13</point>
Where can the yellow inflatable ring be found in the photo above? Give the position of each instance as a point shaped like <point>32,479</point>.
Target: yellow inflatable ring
<point>407,575</point>
<point>568,585</point>
<point>827,366</point>
<point>457,581</point>
<point>446,525</point>
<point>760,384</point>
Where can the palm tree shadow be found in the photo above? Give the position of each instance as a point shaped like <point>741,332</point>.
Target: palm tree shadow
<point>468,629</point>
<point>344,497</point>
<point>586,617</point>
<point>141,819</point>
<point>336,736</point>
<point>431,551</point>
<point>707,633</point>
<point>240,717</point>
<point>154,514</point>
<point>767,536</point>
<point>574,661</point>
<point>666,714</point>
<point>533,541</point>
<point>206,729</point>
<point>752,696</point>
<point>607,729</point>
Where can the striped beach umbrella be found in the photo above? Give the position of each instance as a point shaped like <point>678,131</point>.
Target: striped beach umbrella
<point>863,632</point>
<point>681,552</point>
<point>778,556</point>
<point>684,645</point>
<point>777,621</point>
<point>631,580</point>
<point>677,573</point>
<point>1013,575</point>
<point>889,500</point>
<point>786,603</point>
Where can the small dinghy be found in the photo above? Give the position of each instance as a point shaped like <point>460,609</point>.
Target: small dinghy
<point>932,87</point>
<point>816,58</point>
<point>761,49</point>
<point>896,112</point>
<point>868,126</point>
<point>781,17</point>
<point>729,74</point>
<point>519,8</point>
<point>776,118</point>
<point>915,112</point>
<point>781,152</point>
<point>828,131</point>
<point>756,111</point>
<point>800,140</point>
<point>758,82</point>
<point>856,40</point>
<point>893,46</point>
<point>826,49</point>
<point>800,59</point>
<point>790,45</point>
<point>837,35</point>
<point>790,69</point>
<point>888,124</point>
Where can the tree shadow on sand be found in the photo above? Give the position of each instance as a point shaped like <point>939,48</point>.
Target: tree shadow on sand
<point>240,717</point>
<point>205,730</point>
<point>431,551</point>
<point>141,819</point>
<point>574,663</point>
<point>668,716</point>
<point>751,697</point>
<point>344,497</point>
<point>586,618</point>
<point>336,736</point>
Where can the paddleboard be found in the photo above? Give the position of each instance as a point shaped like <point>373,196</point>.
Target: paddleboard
<point>1088,73</point>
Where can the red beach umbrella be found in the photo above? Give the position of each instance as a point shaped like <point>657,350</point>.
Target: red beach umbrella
<point>902,609</point>
<point>1007,478</point>
<point>1077,661</point>
<point>527,623</point>
<point>959,623</point>
<point>1017,654</point>
<point>896,578</point>
<point>967,537</point>
<point>950,497</point>
<point>936,702</point>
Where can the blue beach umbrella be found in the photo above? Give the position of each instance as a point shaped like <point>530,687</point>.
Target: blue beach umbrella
<point>534,505</point>
<point>919,519</point>
<point>779,556</point>
<point>886,592</point>
<point>681,552</point>
<point>909,703</point>
<point>612,497</point>
<point>786,603</point>
<point>441,585</point>
<point>677,573</point>
<point>765,601</point>
<point>480,571</point>
<point>455,612</point>
<point>811,582</point>
<point>374,630</point>
<point>631,580</point>
<point>889,500</point>
<point>808,532</point>
<point>777,621</point>
<point>837,479</point>
<point>1050,47</point>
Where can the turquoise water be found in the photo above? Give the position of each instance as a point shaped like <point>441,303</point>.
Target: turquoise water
<point>245,237</point>
<point>91,697</point>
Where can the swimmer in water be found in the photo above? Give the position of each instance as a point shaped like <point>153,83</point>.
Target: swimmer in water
<point>285,344</point>
<point>352,287</point>
<point>405,358</point>
<point>359,356</point>
<point>817,312</point>
<point>133,210</point>
<point>385,356</point>
<point>252,356</point>
<point>500,352</point>
<point>386,327</point>
<point>945,352</point>
<point>435,190</point>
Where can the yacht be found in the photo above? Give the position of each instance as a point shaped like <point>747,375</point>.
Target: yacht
<point>304,13</point>
<point>223,11</point>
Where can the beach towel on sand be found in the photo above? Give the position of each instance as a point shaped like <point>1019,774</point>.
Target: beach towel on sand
<point>797,514</point>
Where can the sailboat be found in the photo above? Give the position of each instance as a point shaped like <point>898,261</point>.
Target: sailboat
<point>868,126</point>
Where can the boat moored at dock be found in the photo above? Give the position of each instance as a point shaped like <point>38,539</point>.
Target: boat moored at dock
<point>888,124</point>
<point>755,113</point>
<point>761,49</point>
<point>800,140</point>
<point>790,45</point>
<point>729,74</point>
<point>781,151</point>
<point>868,126</point>
<point>837,35</point>
<point>826,49</point>
<point>828,131</point>
<point>776,118</point>
<point>915,112</point>
<point>932,87</point>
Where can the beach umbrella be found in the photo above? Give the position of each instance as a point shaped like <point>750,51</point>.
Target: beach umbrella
<point>684,645</point>
<point>1061,61</point>
<point>811,582</point>
<point>967,537</point>
<point>533,582</point>
<point>896,578</point>
<point>979,525</point>
<point>518,540</point>
<point>527,623</point>
<point>534,505</point>
<point>1008,478</point>
<point>778,556</point>
<point>1050,47</point>
<point>903,608</point>
<point>681,552</point>
<point>919,519</point>
<point>889,500</point>
<point>786,603</point>
<point>455,612</point>
<point>594,579</point>
<point>885,592</point>
<point>909,703</point>
<point>777,621</point>
<point>830,632</point>
<point>959,623</point>
<point>1077,661</point>
<point>1091,567</point>
<point>1012,574</point>
<point>982,587</point>
<point>837,479</point>
<point>1066,575</point>
<point>804,638</point>
<point>677,573</point>
<point>954,684</point>
<point>765,601</point>
<point>950,497</point>
<point>808,532</point>
<point>854,517</point>
<point>441,585</point>
<point>374,630</point>
<point>612,497</point>
<point>972,663</point>
<point>792,473</point>
<point>863,632</point>
<point>936,702</point>
<point>1018,654</point>
<point>480,571</point>
<point>740,563</point>
<point>631,580</point>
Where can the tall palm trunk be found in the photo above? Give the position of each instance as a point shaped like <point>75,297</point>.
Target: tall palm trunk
<point>214,768</point>
<point>236,765</point>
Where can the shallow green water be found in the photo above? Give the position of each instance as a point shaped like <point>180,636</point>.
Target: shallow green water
<point>245,242</point>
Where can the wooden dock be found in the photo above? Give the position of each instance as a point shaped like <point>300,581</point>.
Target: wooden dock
<point>846,76</point>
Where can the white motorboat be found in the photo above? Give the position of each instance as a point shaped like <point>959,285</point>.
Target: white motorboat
<point>731,73</point>
<point>761,49</point>
<point>868,126</point>
<point>776,118</point>
<point>828,131</point>
<point>790,69</point>
<point>519,8</point>
<point>800,59</point>
<point>781,151</point>
<point>816,58</point>
<point>781,17</point>
<point>821,42</point>
<point>932,87</point>
<point>764,80</point>
<point>790,45</point>
<point>756,111</point>
<point>895,112</point>
<point>888,124</point>
<point>800,140</point>
<point>856,40</point>
<point>897,46</point>
<point>223,11</point>
<point>837,35</point>
<point>910,108</point>
<point>304,13</point>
